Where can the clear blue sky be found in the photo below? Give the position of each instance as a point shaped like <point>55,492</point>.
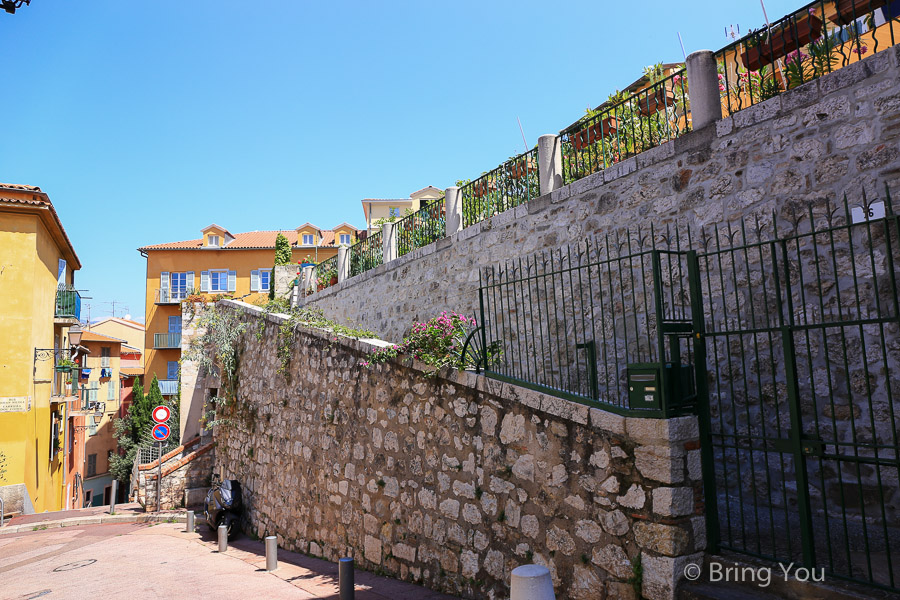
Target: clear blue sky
<point>147,121</point>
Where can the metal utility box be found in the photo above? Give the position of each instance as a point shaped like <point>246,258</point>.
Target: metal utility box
<point>665,390</point>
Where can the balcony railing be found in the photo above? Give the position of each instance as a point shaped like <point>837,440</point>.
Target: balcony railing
<point>170,296</point>
<point>68,303</point>
<point>166,340</point>
<point>168,387</point>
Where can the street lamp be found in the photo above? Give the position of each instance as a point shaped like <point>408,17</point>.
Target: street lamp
<point>10,6</point>
<point>75,335</point>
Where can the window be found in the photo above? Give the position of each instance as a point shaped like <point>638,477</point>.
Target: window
<point>175,324</point>
<point>393,211</point>
<point>213,240</point>
<point>91,465</point>
<point>218,281</point>
<point>172,369</point>
<point>88,497</point>
<point>175,286</point>
<point>111,389</point>
<point>345,239</point>
<point>104,356</point>
<point>307,239</point>
<point>179,286</point>
<point>264,279</point>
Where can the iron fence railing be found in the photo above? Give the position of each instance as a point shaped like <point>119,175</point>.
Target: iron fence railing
<point>643,120</point>
<point>366,254</point>
<point>817,39</point>
<point>513,183</point>
<point>68,303</point>
<point>147,455</point>
<point>171,296</point>
<point>327,273</point>
<point>426,225</point>
<point>166,340</point>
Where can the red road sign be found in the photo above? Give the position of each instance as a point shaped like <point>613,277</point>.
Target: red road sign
<point>161,432</point>
<point>161,414</point>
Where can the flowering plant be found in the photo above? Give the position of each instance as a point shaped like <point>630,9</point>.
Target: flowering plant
<point>438,343</point>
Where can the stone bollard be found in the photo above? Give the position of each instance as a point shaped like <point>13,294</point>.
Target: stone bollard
<point>453,210</point>
<point>703,79</point>
<point>112,497</point>
<point>189,525</point>
<point>389,242</point>
<point>345,579</point>
<point>343,263</point>
<point>531,582</point>
<point>223,539</point>
<point>550,163</point>
<point>271,553</point>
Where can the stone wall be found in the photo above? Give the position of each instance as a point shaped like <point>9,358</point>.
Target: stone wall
<point>188,467</point>
<point>833,136</point>
<point>454,480</point>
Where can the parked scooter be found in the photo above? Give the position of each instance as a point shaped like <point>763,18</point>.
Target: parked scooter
<point>223,506</point>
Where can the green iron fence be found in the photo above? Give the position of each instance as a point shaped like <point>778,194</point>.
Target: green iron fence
<point>618,130</point>
<point>783,337</point>
<point>817,39</point>
<point>327,273</point>
<point>513,183</point>
<point>426,225</point>
<point>366,254</point>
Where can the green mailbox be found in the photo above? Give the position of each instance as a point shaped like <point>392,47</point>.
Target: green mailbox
<point>644,383</point>
<point>663,390</point>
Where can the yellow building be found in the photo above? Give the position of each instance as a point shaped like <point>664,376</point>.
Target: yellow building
<point>378,211</point>
<point>218,263</point>
<point>38,304</point>
<point>131,332</point>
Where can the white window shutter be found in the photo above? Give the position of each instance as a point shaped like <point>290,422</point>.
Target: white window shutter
<point>110,390</point>
<point>189,283</point>
<point>204,281</point>
<point>232,281</point>
<point>164,280</point>
<point>254,281</point>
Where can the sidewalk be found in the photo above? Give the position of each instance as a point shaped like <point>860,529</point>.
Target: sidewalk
<point>92,515</point>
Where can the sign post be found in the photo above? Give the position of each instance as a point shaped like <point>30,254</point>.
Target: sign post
<point>160,433</point>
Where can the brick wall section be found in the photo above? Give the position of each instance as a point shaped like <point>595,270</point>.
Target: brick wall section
<point>456,480</point>
<point>832,136</point>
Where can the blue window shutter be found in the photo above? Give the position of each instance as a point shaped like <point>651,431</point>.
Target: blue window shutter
<point>254,281</point>
<point>189,287</point>
<point>232,281</point>
<point>204,281</point>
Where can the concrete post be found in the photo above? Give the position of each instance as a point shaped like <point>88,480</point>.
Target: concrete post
<point>703,79</point>
<point>271,553</point>
<point>189,526</point>
<point>453,209</point>
<point>550,163</point>
<point>389,242</point>
<point>343,261</point>
<point>531,582</point>
<point>345,579</point>
<point>112,497</point>
<point>223,539</point>
<point>308,279</point>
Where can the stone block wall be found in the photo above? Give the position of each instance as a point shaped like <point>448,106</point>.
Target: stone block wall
<point>454,480</point>
<point>189,466</point>
<point>836,135</point>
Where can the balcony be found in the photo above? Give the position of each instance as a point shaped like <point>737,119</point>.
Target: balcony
<point>170,296</point>
<point>168,387</point>
<point>68,306</point>
<point>161,341</point>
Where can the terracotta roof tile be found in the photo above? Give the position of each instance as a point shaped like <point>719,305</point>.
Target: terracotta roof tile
<point>131,372</point>
<point>20,186</point>
<point>244,241</point>
<point>30,201</point>
<point>90,336</point>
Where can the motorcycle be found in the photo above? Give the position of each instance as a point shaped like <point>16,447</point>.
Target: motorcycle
<point>223,506</point>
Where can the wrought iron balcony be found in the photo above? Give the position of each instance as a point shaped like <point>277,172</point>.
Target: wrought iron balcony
<point>168,387</point>
<point>166,340</point>
<point>166,296</point>
<point>68,304</point>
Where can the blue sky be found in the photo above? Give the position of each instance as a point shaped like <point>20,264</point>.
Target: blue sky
<point>147,121</point>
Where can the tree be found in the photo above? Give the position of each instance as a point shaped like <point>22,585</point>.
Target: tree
<point>282,251</point>
<point>139,412</point>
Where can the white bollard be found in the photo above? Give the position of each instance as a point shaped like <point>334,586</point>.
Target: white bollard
<point>271,553</point>
<point>531,582</point>
<point>223,538</point>
<point>189,526</point>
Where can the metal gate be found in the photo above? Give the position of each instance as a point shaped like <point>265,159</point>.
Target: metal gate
<point>797,347</point>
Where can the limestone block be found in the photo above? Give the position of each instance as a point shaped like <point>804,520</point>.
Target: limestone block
<point>613,560</point>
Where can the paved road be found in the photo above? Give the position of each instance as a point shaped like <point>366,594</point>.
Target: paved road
<point>162,561</point>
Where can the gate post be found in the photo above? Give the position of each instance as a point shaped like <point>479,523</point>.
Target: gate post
<point>707,461</point>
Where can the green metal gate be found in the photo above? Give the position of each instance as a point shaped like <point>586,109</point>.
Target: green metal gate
<point>797,348</point>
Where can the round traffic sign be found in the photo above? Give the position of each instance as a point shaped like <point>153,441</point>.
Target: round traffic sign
<point>161,414</point>
<point>161,432</point>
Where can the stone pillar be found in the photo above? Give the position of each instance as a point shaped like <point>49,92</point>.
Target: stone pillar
<point>389,241</point>
<point>550,163</point>
<point>308,279</point>
<point>454,214</point>
<point>343,263</point>
<point>703,79</point>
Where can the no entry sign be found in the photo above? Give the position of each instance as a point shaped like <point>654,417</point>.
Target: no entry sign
<point>161,432</point>
<point>161,414</point>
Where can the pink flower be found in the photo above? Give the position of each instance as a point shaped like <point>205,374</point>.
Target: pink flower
<point>861,50</point>
<point>721,88</point>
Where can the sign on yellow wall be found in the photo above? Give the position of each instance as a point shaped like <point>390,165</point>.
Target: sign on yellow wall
<point>15,403</point>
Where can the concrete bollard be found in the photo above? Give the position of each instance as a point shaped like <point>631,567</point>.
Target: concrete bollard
<point>388,242</point>
<point>345,579</point>
<point>531,582</point>
<point>343,262</point>
<point>112,497</point>
<point>189,526</point>
<point>223,539</point>
<point>271,553</point>
<point>453,210</point>
<point>550,163</point>
<point>703,79</point>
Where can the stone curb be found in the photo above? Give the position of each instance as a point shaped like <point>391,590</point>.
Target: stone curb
<point>95,520</point>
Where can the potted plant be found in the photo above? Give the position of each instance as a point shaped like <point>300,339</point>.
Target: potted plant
<point>522,167</point>
<point>844,12</point>
<point>65,365</point>
<point>306,262</point>
<point>658,96</point>
<point>592,133</point>
<point>484,187</point>
<point>764,48</point>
